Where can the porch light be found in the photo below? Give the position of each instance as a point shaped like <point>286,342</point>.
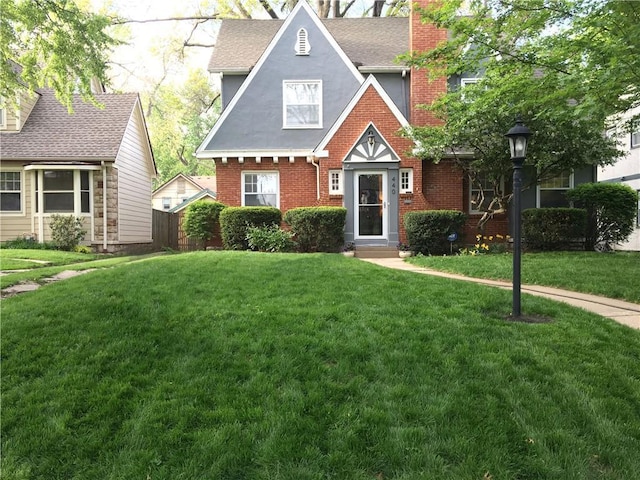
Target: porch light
<point>371,139</point>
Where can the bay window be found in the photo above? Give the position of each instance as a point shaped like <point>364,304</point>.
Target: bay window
<point>63,191</point>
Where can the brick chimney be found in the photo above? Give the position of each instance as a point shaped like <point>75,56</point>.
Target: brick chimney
<point>422,90</point>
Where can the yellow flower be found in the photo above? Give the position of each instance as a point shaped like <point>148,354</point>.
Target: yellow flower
<point>485,246</point>
<point>478,237</point>
<point>490,237</point>
<point>499,236</point>
<point>477,245</point>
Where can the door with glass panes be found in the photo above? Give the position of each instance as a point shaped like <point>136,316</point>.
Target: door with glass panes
<point>371,205</point>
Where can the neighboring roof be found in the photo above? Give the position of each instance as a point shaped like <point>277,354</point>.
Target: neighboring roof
<point>89,133</point>
<point>207,182</point>
<point>368,42</point>
<point>198,181</point>
<point>201,194</point>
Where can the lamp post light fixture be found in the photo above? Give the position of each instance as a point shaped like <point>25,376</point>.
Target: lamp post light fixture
<point>518,136</point>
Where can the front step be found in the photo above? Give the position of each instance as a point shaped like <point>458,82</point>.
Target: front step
<point>376,252</point>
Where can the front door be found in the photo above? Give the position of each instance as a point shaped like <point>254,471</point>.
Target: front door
<point>371,205</point>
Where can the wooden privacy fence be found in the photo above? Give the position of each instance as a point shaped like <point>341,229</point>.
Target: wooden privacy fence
<point>168,233</point>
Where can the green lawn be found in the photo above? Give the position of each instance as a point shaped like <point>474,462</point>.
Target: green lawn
<point>56,262</point>
<point>613,275</point>
<point>238,365</point>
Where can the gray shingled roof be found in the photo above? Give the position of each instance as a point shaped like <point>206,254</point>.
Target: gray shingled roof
<point>368,42</point>
<point>89,133</point>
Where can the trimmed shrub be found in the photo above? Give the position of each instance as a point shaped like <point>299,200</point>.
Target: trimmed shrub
<point>317,229</point>
<point>553,228</point>
<point>427,231</point>
<point>200,219</point>
<point>611,211</point>
<point>270,238</point>
<point>66,231</point>
<point>236,221</point>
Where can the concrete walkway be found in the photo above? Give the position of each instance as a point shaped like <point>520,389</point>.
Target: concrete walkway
<point>622,312</point>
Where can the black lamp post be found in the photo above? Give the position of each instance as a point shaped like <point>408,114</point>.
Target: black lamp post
<point>518,136</point>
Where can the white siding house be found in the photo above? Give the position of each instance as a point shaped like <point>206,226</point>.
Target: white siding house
<point>95,163</point>
<point>626,171</point>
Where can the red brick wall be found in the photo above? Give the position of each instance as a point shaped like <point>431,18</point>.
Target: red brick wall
<point>423,91</point>
<point>297,181</point>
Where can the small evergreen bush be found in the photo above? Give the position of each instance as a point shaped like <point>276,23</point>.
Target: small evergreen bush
<point>270,238</point>
<point>427,230</point>
<point>317,229</point>
<point>611,211</point>
<point>200,220</point>
<point>553,228</point>
<point>66,231</point>
<point>236,221</point>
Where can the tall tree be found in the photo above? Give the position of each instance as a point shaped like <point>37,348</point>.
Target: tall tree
<point>551,61</point>
<point>178,118</point>
<point>52,43</point>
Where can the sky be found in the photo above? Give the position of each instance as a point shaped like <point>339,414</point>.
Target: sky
<point>140,62</point>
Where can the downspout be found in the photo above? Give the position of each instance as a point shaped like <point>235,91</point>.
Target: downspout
<point>317,177</point>
<point>404,93</point>
<point>104,206</point>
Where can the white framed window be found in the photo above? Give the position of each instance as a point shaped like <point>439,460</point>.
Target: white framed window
<point>635,135</point>
<point>11,192</point>
<point>302,104</point>
<point>166,203</point>
<point>552,191</point>
<point>335,182</point>
<point>302,42</point>
<point>406,180</point>
<point>63,191</point>
<point>481,187</point>
<point>464,82</point>
<point>260,189</point>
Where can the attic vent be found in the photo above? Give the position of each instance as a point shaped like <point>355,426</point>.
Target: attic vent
<point>302,45</point>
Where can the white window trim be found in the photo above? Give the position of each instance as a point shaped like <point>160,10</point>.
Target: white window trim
<point>634,142</point>
<point>21,211</point>
<point>539,189</point>
<point>284,105</point>
<point>340,189</point>
<point>471,189</point>
<point>409,188</point>
<point>166,203</point>
<point>469,81</point>
<point>259,172</point>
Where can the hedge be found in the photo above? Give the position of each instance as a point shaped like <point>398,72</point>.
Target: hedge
<point>200,219</point>
<point>611,211</point>
<point>427,231</point>
<point>553,228</point>
<point>317,229</point>
<point>235,222</point>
